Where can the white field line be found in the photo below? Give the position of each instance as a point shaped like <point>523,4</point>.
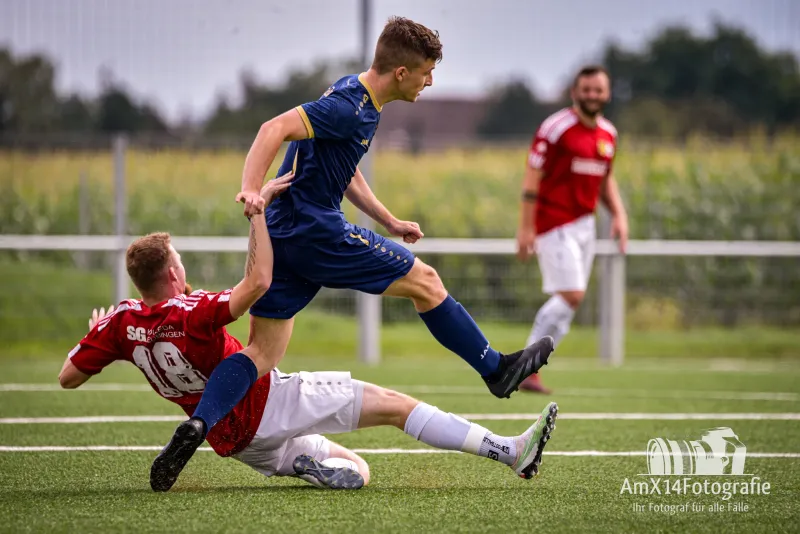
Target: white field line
<point>155,448</point>
<point>626,393</point>
<point>34,387</point>
<point>472,390</point>
<point>92,419</point>
<point>639,416</point>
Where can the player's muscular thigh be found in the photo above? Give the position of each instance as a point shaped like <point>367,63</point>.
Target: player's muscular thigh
<point>422,285</point>
<point>268,341</point>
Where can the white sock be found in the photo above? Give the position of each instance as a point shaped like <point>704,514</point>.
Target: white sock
<point>553,319</point>
<point>448,431</point>
<point>498,448</point>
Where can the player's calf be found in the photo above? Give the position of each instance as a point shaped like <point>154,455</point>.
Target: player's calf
<point>454,329</point>
<point>268,341</point>
<point>448,431</point>
<point>572,298</point>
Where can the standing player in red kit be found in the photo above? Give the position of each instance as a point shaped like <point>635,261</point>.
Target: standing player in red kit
<point>569,169</point>
<point>179,341</point>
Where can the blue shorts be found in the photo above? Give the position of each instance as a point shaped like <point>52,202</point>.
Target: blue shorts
<point>361,260</point>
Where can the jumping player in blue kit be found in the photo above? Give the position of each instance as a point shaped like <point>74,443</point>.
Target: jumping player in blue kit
<point>314,246</point>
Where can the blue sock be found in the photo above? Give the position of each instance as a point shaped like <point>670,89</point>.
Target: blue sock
<point>453,327</point>
<point>228,384</point>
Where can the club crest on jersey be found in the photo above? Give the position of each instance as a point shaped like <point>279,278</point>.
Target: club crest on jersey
<point>328,92</point>
<point>605,148</point>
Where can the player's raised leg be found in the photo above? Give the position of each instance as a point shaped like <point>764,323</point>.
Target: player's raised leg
<point>430,425</point>
<point>233,377</point>
<point>454,328</point>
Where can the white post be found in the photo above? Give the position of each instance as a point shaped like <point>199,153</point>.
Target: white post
<point>368,307</point>
<point>611,301</point>
<point>84,219</point>
<point>120,220</point>
<point>616,291</point>
<point>604,288</point>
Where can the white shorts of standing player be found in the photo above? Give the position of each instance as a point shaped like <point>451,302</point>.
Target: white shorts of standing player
<point>300,407</point>
<point>566,254</point>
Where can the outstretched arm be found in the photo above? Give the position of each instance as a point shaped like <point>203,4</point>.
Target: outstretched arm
<point>258,268</point>
<point>362,197</point>
<point>70,376</point>
<point>289,126</point>
<point>526,232</point>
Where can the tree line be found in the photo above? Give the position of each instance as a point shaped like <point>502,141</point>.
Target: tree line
<point>679,83</point>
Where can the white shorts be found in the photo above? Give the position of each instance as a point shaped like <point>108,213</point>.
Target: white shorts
<point>300,407</point>
<point>566,254</point>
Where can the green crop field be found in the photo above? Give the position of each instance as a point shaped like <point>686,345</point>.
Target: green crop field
<point>693,191</point>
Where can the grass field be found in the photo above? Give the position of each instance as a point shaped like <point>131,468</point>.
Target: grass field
<point>579,488</point>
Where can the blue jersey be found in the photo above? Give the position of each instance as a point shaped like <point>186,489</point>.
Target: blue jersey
<point>340,127</point>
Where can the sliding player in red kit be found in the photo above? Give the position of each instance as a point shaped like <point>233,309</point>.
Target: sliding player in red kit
<point>180,343</point>
<point>569,169</point>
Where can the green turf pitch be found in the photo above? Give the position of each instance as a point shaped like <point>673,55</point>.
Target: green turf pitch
<point>104,491</point>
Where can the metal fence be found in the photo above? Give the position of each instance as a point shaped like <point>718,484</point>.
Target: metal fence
<point>651,258</point>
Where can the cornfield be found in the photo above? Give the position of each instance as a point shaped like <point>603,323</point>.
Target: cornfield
<point>702,190</point>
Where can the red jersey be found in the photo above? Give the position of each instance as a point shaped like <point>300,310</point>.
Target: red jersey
<point>177,344</point>
<point>575,160</point>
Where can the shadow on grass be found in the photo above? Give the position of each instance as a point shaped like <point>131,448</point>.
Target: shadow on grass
<point>28,495</point>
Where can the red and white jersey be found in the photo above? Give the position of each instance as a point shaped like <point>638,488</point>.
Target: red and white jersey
<point>575,160</point>
<point>177,344</point>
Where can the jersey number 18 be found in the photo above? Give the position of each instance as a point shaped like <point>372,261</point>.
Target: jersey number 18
<point>180,376</point>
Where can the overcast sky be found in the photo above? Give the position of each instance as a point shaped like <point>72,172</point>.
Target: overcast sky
<point>180,53</point>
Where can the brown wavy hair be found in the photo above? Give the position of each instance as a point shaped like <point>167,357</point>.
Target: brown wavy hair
<point>405,43</point>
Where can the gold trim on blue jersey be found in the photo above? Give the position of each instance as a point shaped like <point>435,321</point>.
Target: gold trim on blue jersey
<point>304,116</point>
<point>360,238</point>
<point>294,164</point>
<point>363,79</point>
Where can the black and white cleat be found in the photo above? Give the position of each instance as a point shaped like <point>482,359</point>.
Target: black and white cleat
<point>324,476</point>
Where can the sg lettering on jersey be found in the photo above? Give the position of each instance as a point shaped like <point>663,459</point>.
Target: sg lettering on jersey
<point>147,335</point>
<point>137,334</point>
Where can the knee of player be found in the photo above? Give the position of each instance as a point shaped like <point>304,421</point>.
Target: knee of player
<point>573,298</point>
<point>393,406</point>
<point>402,405</point>
<point>432,284</point>
<point>259,358</point>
